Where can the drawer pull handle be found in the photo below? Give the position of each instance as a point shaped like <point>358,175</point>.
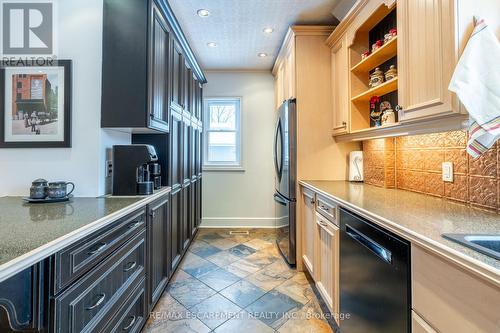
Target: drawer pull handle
<point>99,302</point>
<point>132,322</point>
<point>98,249</point>
<point>130,266</point>
<point>135,225</point>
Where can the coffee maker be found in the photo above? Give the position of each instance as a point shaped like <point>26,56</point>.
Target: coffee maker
<point>132,166</point>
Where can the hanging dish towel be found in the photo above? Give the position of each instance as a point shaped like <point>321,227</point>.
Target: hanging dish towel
<point>476,81</point>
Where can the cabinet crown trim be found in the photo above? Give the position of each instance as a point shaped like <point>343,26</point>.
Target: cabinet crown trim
<point>300,30</point>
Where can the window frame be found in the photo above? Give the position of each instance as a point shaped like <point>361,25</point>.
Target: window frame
<point>223,166</point>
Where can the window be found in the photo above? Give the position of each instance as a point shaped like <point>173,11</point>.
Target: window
<point>222,138</point>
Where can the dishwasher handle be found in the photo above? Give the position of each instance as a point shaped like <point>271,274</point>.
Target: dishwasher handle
<point>377,249</point>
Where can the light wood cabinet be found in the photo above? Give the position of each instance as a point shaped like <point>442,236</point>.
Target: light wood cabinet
<point>451,299</point>
<point>427,58</point>
<point>340,73</point>
<point>309,228</point>
<point>327,270</point>
<point>431,36</point>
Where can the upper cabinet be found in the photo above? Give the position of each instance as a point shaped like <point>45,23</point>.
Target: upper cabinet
<point>158,73</point>
<point>424,48</point>
<point>428,50</point>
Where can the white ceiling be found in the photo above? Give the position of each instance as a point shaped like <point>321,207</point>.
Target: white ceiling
<point>236,26</point>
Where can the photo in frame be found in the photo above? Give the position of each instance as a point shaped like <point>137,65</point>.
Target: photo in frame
<point>36,105</point>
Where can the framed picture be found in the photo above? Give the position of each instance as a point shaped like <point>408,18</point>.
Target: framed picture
<point>35,105</point>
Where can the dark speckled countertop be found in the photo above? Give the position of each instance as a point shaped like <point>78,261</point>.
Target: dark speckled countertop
<point>422,219</point>
<point>32,232</point>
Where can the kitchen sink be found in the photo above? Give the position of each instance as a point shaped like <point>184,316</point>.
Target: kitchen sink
<point>484,243</point>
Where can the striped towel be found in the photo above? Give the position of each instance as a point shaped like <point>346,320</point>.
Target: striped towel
<point>476,81</point>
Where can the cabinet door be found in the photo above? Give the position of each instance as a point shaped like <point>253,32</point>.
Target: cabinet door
<point>340,85</point>
<point>308,231</point>
<point>427,53</point>
<point>159,70</point>
<point>289,72</point>
<point>159,247</point>
<point>328,262</point>
<point>176,228</point>
<point>280,89</point>
<point>178,77</point>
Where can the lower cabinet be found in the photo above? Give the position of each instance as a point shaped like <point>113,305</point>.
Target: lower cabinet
<point>450,299</point>
<point>159,246</point>
<point>327,267</point>
<point>176,235</point>
<point>308,231</point>
<point>88,304</point>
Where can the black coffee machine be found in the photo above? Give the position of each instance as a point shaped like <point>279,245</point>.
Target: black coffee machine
<point>135,171</point>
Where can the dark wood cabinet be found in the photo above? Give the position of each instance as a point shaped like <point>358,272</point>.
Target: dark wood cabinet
<point>136,65</point>
<point>176,233</point>
<point>159,247</point>
<point>159,70</point>
<point>178,77</point>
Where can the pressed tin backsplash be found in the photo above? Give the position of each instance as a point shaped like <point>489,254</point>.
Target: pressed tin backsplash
<point>413,163</point>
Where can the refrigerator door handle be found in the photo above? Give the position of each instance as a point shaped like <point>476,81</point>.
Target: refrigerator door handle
<point>278,136</point>
<point>279,200</point>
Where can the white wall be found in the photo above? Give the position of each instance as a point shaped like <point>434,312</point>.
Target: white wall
<point>239,199</point>
<point>80,39</point>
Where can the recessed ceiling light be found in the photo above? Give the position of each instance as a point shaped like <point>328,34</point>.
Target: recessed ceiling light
<point>262,55</point>
<point>203,13</point>
<point>212,44</point>
<point>268,30</point>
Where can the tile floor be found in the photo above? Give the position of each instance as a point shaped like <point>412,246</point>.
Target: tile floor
<point>237,283</point>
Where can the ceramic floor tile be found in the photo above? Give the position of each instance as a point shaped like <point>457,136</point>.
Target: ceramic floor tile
<point>170,316</point>
<point>242,268</point>
<point>242,251</point>
<point>223,258</point>
<point>219,279</point>
<point>215,310</point>
<point>196,266</point>
<point>243,323</point>
<point>272,307</point>
<point>258,244</point>
<point>249,272</point>
<point>242,293</point>
<point>223,243</point>
<point>205,250</point>
<point>302,293</point>
<point>306,320</point>
<point>189,291</point>
<point>272,276</point>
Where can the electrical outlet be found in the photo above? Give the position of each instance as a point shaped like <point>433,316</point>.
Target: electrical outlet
<point>109,168</point>
<point>448,172</point>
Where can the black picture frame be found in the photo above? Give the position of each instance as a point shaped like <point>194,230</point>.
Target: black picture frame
<point>67,100</point>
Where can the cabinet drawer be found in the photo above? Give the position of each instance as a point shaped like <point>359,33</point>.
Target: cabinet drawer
<point>326,208</point>
<point>131,316</point>
<point>75,260</point>
<point>88,304</point>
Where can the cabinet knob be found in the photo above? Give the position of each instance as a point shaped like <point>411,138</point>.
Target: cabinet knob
<point>344,124</point>
<point>399,108</point>
<point>313,201</point>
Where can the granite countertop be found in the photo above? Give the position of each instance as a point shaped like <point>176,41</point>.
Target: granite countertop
<point>32,232</point>
<point>419,218</point>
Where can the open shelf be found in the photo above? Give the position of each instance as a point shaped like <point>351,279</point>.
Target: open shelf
<point>381,55</point>
<point>380,90</point>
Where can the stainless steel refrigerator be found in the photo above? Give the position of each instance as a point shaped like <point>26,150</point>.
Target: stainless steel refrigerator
<point>285,163</point>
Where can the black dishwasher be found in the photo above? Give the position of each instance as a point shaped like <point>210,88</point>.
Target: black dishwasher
<point>375,294</point>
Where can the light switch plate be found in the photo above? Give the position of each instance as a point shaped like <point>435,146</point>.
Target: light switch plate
<point>448,171</point>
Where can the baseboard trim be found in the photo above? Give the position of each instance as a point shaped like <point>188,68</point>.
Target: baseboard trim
<point>238,222</point>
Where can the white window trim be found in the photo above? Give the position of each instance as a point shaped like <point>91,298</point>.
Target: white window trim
<point>239,137</point>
